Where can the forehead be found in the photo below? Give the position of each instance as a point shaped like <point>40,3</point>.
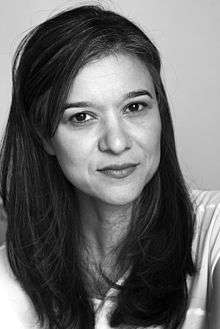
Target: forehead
<point>110,76</point>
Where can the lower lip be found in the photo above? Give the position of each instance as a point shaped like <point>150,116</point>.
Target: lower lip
<point>118,173</point>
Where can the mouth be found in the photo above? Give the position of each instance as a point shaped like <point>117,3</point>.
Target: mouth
<point>119,171</point>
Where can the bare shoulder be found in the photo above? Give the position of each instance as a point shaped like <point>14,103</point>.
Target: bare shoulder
<point>16,310</point>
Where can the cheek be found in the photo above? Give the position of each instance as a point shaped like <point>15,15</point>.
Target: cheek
<point>72,154</point>
<point>151,138</point>
<point>151,147</point>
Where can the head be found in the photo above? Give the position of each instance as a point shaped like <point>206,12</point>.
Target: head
<point>58,64</point>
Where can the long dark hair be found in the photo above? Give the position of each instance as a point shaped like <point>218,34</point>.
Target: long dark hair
<point>44,232</point>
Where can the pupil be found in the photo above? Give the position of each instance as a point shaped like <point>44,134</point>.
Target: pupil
<point>80,116</point>
<point>134,107</point>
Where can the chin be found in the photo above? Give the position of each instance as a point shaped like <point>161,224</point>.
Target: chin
<point>119,199</point>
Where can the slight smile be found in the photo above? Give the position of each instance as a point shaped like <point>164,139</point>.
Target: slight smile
<point>119,171</point>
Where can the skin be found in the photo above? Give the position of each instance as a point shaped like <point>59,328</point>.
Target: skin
<point>110,133</point>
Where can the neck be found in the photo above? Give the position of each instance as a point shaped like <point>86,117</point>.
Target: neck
<point>104,225</point>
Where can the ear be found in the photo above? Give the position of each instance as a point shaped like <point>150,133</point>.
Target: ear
<point>48,147</point>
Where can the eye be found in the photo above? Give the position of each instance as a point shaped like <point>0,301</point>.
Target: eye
<point>136,107</point>
<point>80,118</point>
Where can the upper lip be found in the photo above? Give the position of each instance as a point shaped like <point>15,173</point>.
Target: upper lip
<point>119,167</point>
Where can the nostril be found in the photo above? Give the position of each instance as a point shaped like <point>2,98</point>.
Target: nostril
<point>115,143</point>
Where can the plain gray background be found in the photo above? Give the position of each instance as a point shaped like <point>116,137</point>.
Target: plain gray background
<point>187,34</point>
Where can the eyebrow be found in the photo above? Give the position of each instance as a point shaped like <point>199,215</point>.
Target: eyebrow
<point>137,93</point>
<point>131,94</point>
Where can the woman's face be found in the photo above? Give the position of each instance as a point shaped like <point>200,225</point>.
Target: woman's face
<point>111,118</point>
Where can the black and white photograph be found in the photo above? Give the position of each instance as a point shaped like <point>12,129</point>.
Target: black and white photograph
<point>110,164</point>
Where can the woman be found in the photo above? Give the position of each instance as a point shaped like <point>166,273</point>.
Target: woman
<point>102,231</point>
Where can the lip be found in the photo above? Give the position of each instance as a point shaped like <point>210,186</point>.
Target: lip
<point>119,172</point>
<point>118,167</point>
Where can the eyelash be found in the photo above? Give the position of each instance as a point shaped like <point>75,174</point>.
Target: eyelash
<point>142,104</point>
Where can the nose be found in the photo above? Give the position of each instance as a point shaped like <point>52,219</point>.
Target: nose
<point>115,138</point>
